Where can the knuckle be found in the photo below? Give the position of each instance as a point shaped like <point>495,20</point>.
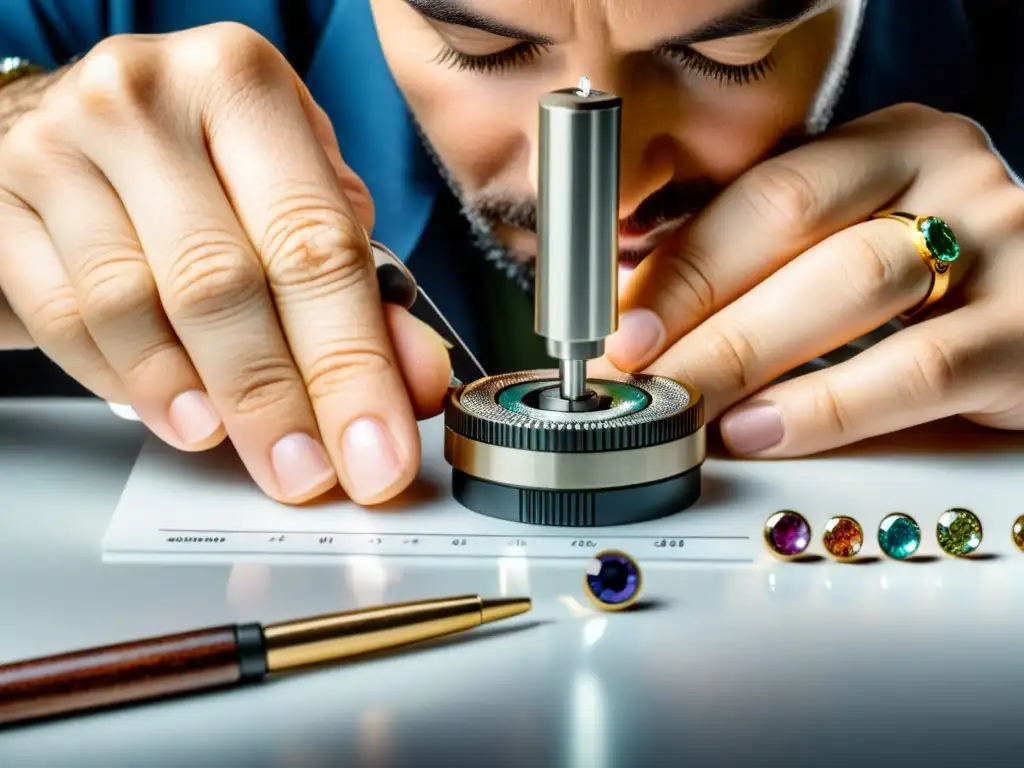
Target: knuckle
<point>117,78</point>
<point>264,386</point>
<point>985,169</point>
<point>211,275</point>
<point>954,130</point>
<point>781,196</point>
<point>829,410</point>
<point>691,286</point>
<point>28,144</point>
<point>931,370</point>
<point>306,247</point>
<point>869,268</point>
<point>114,288</point>
<point>336,371</point>
<point>1009,215</point>
<point>732,354</point>
<point>56,320</point>
<point>909,113</point>
<point>231,51</point>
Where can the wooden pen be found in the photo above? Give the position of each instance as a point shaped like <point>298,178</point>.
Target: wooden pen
<point>228,655</point>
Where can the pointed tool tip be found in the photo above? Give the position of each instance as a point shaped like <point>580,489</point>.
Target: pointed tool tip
<point>503,608</point>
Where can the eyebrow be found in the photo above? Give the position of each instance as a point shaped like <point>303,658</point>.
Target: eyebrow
<point>453,12</point>
<point>754,16</point>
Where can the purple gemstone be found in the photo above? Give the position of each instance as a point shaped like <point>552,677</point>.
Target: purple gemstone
<point>789,533</point>
<point>613,578</point>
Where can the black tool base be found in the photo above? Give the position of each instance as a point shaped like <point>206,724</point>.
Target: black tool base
<point>578,509</point>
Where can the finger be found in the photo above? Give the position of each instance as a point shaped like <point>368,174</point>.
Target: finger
<point>839,290</point>
<point>422,358</point>
<point>13,334</point>
<point>39,293</point>
<point>765,219</point>
<point>962,362</point>
<point>321,275</point>
<point>210,281</point>
<point>118,300</point>
<point>355,190</point>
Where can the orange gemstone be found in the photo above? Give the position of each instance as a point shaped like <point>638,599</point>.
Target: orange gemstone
<point>843,537</point>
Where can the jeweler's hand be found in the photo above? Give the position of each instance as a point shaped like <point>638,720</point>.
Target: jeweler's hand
<point>179,232</point>
<point>788,264</point>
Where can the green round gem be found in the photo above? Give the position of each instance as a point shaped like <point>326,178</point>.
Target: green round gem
<point>899,536</point>
<point>940,240</point>
<point>959,532</point>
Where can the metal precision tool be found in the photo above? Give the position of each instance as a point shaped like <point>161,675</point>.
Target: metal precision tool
<point>578,231</point>
<point>398,286</point>
<point>553,447</point>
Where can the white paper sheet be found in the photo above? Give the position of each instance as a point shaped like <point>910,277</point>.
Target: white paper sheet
<point>203,507</point>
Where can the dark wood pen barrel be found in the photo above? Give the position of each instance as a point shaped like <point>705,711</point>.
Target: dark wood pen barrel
<point>119,674</point>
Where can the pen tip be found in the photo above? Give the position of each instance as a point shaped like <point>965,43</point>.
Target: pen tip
<point>503,608</point>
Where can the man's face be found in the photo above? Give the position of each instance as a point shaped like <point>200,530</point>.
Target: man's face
<point>709,87</point>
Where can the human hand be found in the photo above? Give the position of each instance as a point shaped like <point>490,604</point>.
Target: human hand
<point>179,232</point>
<point>788,264</point>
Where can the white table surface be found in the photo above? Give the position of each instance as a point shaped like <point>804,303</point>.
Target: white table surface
<point>885,663</point>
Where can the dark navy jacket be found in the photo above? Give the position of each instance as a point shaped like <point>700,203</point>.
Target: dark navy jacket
<point>955,55</point>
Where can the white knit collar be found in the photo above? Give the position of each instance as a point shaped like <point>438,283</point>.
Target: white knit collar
<point>837,71</point>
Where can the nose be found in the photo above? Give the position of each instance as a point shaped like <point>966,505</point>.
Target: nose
<point>648,157</point>
<point>647,161</point>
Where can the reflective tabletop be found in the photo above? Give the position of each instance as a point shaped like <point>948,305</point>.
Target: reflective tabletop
<point>763,664</point>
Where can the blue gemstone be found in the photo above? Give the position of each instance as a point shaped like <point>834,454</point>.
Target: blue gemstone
<point>613,579</point>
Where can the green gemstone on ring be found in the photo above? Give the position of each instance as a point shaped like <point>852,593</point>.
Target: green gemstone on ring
<point>940,239</point>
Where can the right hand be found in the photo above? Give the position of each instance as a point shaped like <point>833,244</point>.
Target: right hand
<point>178,232</point>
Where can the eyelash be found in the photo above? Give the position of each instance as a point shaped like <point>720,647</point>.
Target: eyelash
<point>524,52</point>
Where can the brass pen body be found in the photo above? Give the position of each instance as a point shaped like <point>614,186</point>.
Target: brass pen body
<point>223,656</point>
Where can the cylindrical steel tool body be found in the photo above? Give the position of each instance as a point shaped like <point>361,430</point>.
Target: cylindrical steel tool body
<point>577,222</point>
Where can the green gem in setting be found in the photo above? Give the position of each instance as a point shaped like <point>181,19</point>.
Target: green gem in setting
<point>940,240</point>
<point>899,536</point>
<point>958,532</point>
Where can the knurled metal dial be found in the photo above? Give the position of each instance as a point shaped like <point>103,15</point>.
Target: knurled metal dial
<point>641,411</point>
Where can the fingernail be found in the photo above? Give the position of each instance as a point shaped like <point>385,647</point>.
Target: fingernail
<point>300,464</point>
<point>193,416</point>
<point>371,461</point>
<point>639,337</point>
<point>753,428</point>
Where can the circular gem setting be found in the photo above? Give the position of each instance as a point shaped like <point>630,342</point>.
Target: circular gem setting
<point>899,536</point>
<point>613,580</point>
<point>1018,533</point>
<point>787,533</point>
<point>959,532</point>
<point>843,537</point>
<point>940,240</point>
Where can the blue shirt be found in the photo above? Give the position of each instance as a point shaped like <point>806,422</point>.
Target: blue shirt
<point>954,55</point>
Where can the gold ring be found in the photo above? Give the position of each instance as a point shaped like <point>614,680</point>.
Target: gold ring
<point>938,248</point>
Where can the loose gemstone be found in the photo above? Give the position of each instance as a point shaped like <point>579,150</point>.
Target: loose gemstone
<point>899,536</point>
<point>843,537</point>
<point>787,533</point>
<point>940,240</point>
<point>959,532</point>
<point>1018,533</point>
<point>613,580</point>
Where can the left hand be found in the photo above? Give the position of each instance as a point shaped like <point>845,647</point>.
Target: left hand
<point>787,264</point>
